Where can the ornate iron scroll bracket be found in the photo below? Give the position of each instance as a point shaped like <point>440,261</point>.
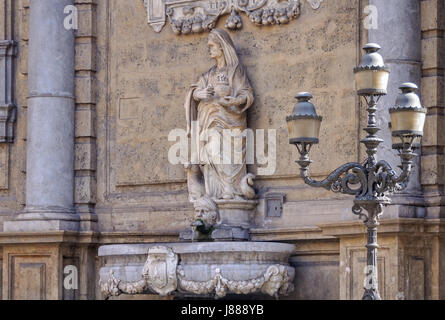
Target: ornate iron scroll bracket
<point>195,16</point>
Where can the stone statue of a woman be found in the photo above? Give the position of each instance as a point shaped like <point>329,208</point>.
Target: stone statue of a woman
<point>218,102</point>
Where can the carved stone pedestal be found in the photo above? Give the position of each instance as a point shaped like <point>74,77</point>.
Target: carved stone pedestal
<point>236,213</point>
<point>205,269</point>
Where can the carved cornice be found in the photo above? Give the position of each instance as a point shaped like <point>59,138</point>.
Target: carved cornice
<point>195,16</point>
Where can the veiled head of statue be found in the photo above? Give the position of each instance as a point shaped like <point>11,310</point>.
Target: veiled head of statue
<point>222,39</point>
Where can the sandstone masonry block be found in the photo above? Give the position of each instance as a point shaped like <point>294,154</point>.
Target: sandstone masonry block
<point>85,123</point>
<point>433,91</point>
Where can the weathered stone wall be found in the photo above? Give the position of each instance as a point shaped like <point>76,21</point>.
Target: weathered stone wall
<point>143,78</point>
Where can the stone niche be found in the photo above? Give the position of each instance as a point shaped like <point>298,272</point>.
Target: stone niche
<point>143,77</point>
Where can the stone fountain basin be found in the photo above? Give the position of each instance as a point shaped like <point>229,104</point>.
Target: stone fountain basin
<point>239,262</point>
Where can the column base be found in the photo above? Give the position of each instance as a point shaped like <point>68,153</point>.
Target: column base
<point>43,220</point>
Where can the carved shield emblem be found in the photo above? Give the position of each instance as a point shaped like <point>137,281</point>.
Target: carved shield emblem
<point>160,270</point>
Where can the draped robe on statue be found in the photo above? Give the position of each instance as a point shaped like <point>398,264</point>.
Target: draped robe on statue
<point>222,180</point>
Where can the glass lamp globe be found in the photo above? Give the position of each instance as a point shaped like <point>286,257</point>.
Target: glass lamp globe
<point>371,76</point>
<point>304,123</point>
<point>408,115</point>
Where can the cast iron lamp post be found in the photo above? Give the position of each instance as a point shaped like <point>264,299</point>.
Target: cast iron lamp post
<point>373,181</point>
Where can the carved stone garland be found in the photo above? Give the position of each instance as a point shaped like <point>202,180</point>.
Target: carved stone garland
<point>273,282</point>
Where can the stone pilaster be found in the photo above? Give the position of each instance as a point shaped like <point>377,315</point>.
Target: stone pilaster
<point>85,161</point>
<point>50,126</point>
<point>433,143</point>
<point>433,94</point>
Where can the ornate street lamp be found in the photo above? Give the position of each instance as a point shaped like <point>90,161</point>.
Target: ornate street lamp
<point>373,181</point>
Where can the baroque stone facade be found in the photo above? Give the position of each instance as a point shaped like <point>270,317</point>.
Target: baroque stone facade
<point>91,109</point>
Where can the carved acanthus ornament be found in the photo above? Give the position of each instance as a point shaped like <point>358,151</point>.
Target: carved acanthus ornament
<point>195,16</point>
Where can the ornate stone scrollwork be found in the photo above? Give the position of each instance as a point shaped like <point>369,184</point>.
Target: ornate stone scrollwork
<point>195,16</point>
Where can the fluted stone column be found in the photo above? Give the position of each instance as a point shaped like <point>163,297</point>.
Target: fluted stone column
<point>398,33</point>
<point>50,122</point>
